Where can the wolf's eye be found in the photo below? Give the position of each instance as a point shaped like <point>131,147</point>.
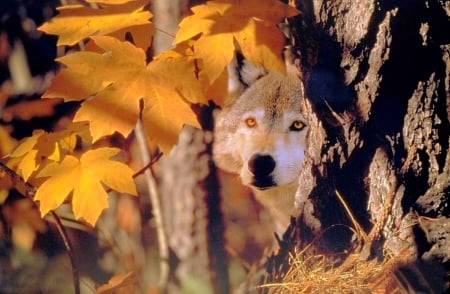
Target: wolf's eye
<point>297,126</point>
<point>250,122</point>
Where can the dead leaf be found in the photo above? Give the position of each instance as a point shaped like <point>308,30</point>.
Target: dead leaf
<point>116,282</point>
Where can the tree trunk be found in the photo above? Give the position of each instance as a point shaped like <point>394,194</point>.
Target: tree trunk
<point>377,78</point>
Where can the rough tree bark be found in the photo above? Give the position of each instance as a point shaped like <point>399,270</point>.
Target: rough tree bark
<point>193,220</point>
<point>377,77</point>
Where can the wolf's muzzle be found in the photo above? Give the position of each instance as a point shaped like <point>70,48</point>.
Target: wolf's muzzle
<point>262,166</point>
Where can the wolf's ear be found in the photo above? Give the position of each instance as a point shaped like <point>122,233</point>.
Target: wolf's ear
<point>242,74</point>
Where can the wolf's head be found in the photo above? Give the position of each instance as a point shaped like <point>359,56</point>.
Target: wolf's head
<point>260,132</point>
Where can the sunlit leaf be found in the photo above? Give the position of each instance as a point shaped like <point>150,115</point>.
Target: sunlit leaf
<point>110,1</point>
<point>29,160</point>
<point>32,151</point>
<point>252,24</point>
<point>117,80</point>
<point>76,22</point>
<point>84,177</point>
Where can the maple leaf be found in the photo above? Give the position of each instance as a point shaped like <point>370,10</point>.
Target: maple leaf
<point>117,282</point>
<point>32,151</point>
<point>252,24</point>
<point>84,176</point>
<point>184,53</point>
<point>29,160</point>
<point>77,22</point>
<point>109,1</point>
<point>117,80</point>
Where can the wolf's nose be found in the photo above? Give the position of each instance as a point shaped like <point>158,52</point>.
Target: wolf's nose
<point>261,165</point>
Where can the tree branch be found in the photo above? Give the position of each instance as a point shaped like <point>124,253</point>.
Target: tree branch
<point>148,165</point>
<point>156,205</point>
<point>29,189</point>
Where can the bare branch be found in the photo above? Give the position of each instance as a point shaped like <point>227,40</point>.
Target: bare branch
<point>154,198</point>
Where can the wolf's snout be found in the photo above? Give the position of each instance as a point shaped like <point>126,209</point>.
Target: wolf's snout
<point>261,165</point>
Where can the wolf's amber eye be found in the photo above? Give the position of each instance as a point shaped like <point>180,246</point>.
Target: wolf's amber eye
<point>297,126</point>
<point>250,122</point>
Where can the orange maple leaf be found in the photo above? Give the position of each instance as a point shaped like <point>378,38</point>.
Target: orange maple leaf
<point>117,80</point>
<point>77,22</point>
<point>84,176</point>
<point>218,25</point>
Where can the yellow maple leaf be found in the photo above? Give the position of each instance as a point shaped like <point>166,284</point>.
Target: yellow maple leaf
<point>84,176</point>
<point>32,151</point>
<point>28,157</point>
<point>184,54</point>
<point>117,80</point>
<point>109,1</point>
<point>218,25</point>
<point>76,22</point>
<point>141,35</point>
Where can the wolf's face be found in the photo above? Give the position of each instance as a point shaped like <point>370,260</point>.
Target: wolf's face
<point>260,133</point>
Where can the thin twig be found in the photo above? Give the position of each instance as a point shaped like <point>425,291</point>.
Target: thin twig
<point>147,166</point>
<point>156,206</point>
<point>69,248</point>
<point>30,190</point>
<point>165,32</point>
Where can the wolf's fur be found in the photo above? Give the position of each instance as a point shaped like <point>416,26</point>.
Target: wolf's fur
<point>252,148</point>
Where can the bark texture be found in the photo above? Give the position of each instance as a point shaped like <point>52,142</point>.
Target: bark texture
<point>377,77</point>
<point>193,218</point>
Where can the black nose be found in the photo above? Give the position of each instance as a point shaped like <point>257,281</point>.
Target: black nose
<point>261,165</point>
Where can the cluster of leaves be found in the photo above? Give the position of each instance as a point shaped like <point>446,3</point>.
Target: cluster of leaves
<point>116,86</point>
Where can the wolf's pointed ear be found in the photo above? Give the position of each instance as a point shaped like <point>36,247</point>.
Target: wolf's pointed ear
<point>242,74</point>
<point>291,62</point>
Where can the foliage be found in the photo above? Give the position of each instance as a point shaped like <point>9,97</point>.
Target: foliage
<point>221,24</point>
<point>77,22</point>
<point>116,86</point>
<point>84,176</point>
<point>106,81</point>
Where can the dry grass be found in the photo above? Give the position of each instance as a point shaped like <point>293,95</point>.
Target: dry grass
<point>317,274</point>
<point>322,274</point>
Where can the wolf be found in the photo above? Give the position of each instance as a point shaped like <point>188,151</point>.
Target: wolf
<point>260,135</point>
